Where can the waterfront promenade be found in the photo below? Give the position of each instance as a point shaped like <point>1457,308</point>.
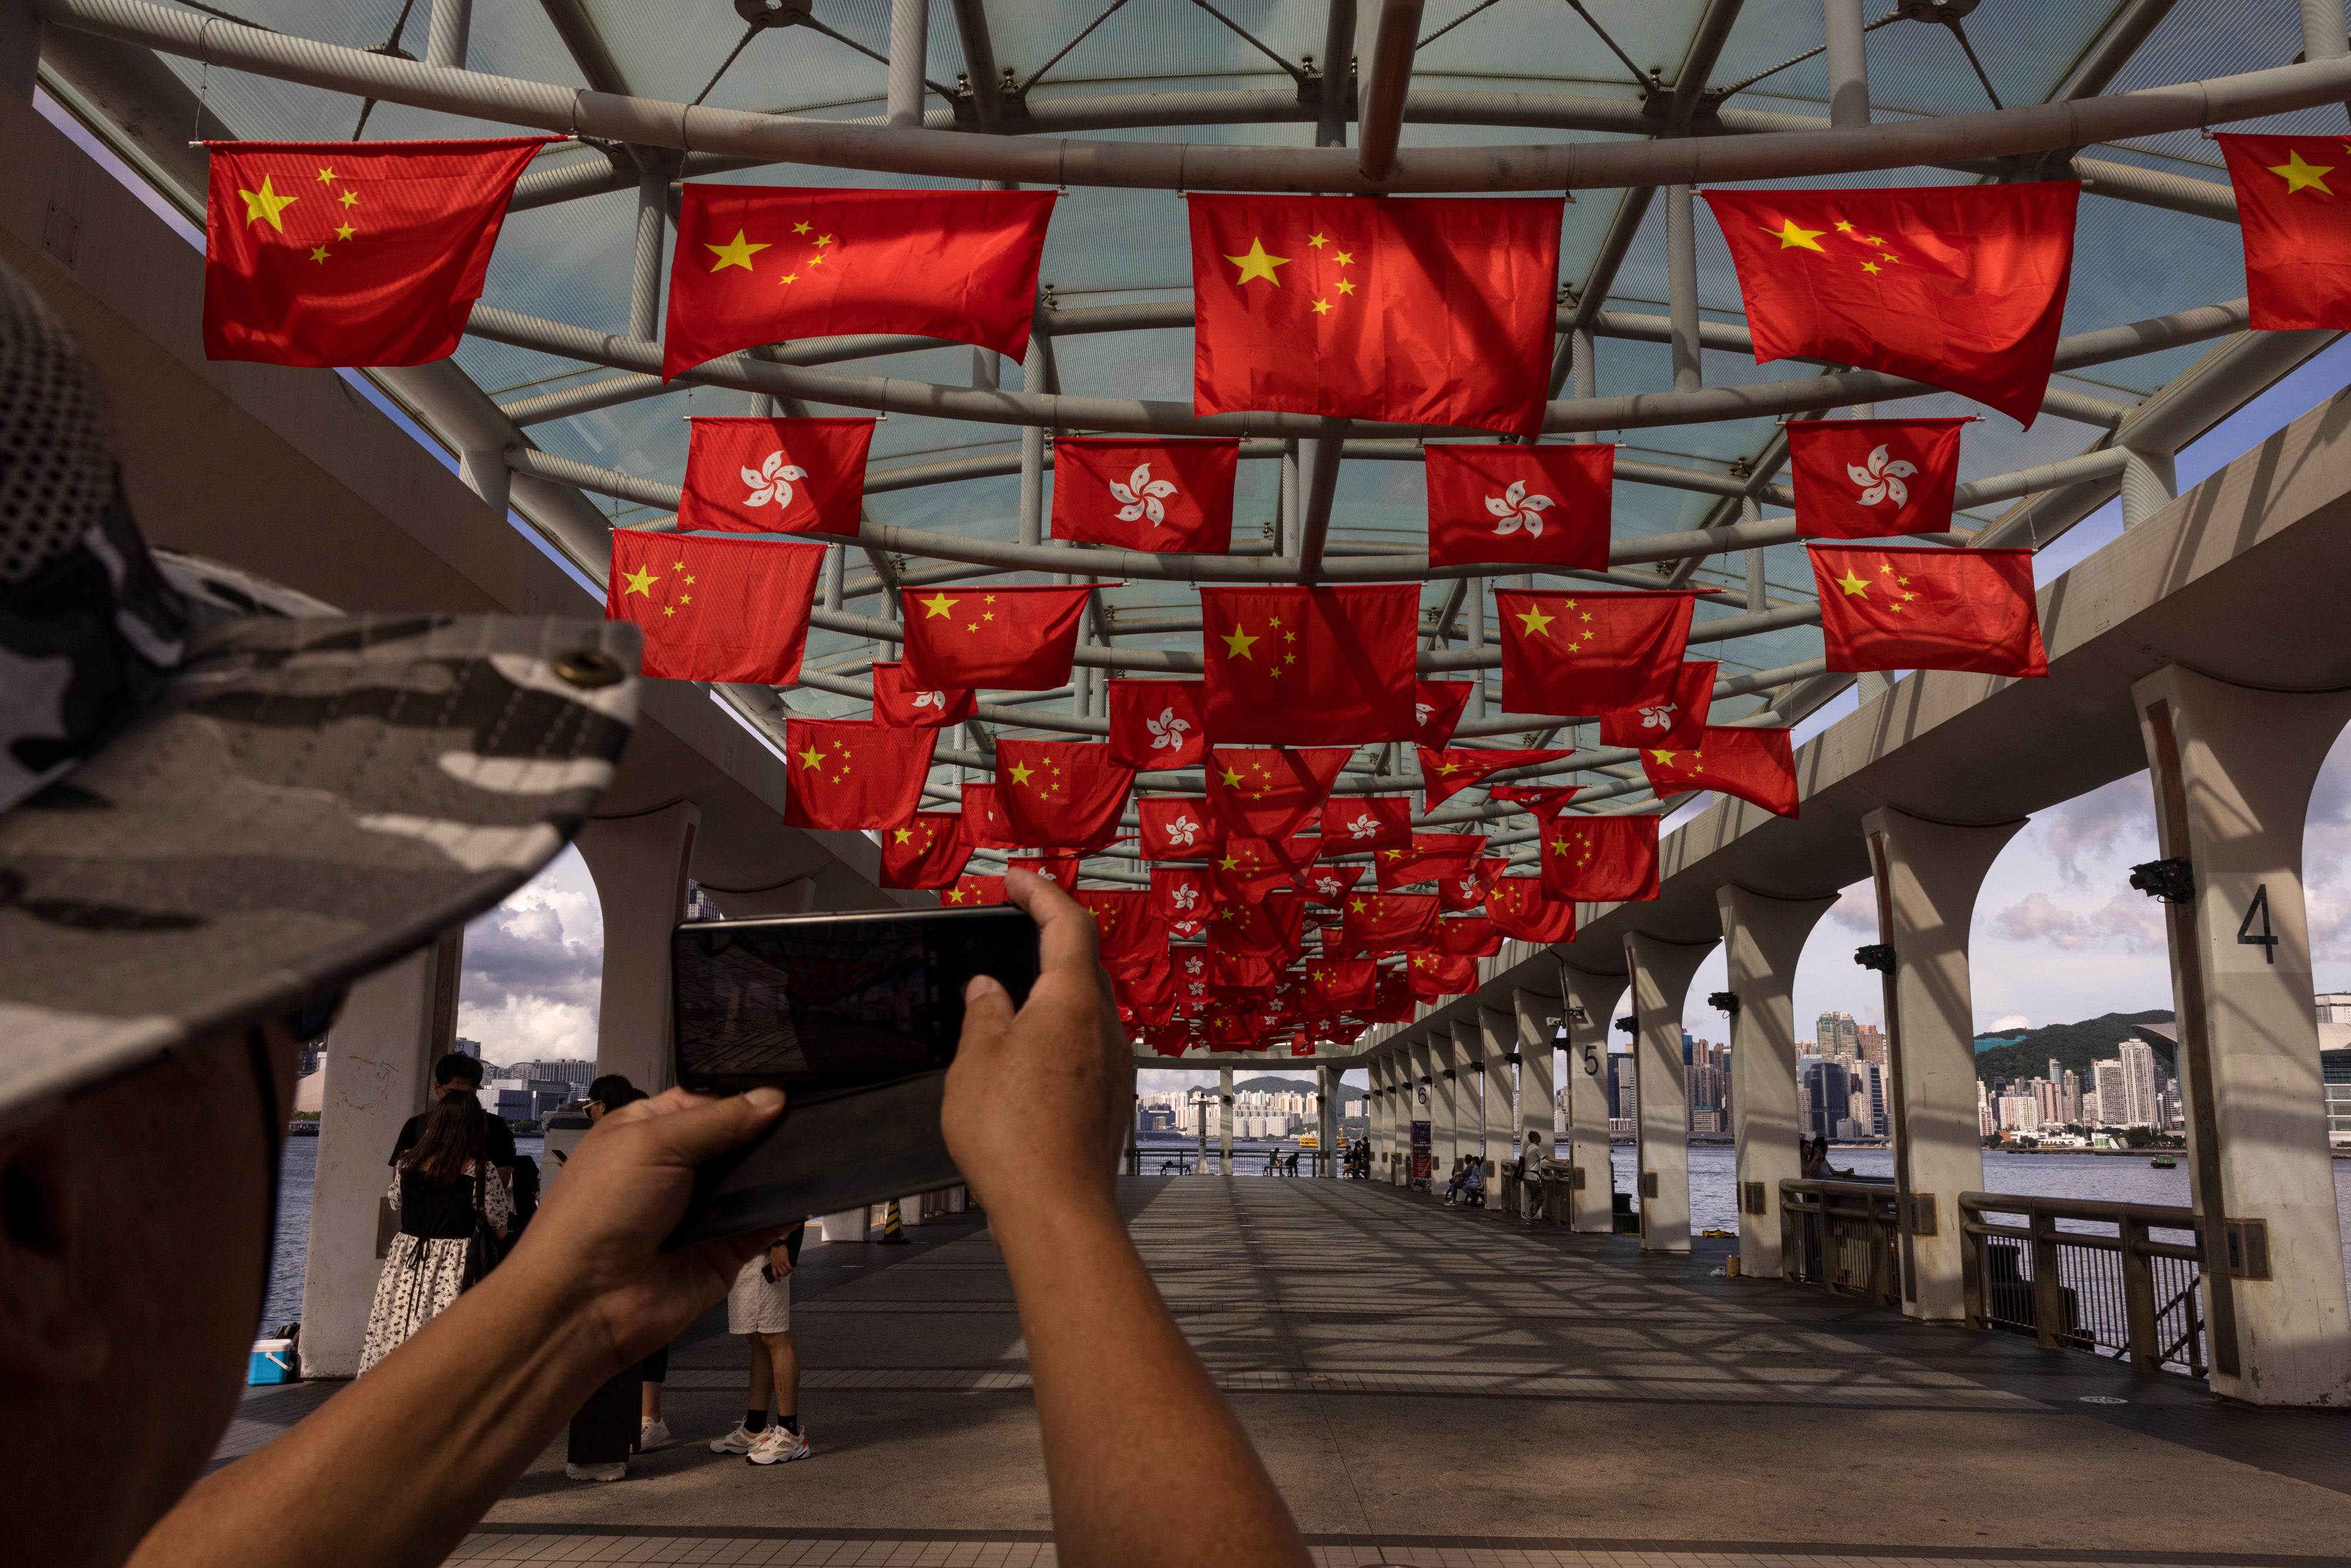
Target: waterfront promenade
<point>1441,1387</point>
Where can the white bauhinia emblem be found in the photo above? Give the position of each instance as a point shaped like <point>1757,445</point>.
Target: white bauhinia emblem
<point>1659,715</point>
<point>1191,965</point>
<point>1185,897</point>
<point>772,482</point>
<point>1514,509</point>
<point>1326,884</point>
<point>1182,829</point>
<point>1046,875</point>
<point>1141,496</point>
<point>1420,712</point>
<point>1364,827</point>
<point>1882,480</point>
<point>1167,731</point>
<point>1470,886</point>
<point>932,699</point>
<point>1196,987</point>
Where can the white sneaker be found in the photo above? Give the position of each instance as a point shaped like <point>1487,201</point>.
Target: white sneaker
<point>652,1434</point>
<point>780,1445</point>
<point>611,1473</point>
<point>741,1440</point>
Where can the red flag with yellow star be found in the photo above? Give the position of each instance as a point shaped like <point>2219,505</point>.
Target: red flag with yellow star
<point>1430,857</point>
<point>771,264</point>
<point>1274,926</point>
<point>1673,717</point>
<point>847,775</point>
<point>1376,923</point>
<point>1248,869</point>
<point>1329,884</point>
<point>1586,652</point>
<point>971,890</point>
<point>1366,822</point>
<point>1436,709</point>
<point>1960,287</point>
<point>1310,666</point>
<point>1446,773</point>
<point>335,253</point>
<point>1923,608</point>
<point>1171,498</point>
<point>1520,907</point>
<point>1753,765</point>
<point>1435,974</point>
<point>1157,724</point>
<point>902,704</point>
<point>1530,506</point>
<point>1598,859</point>
<point>1392,1003</point>
<point>1059,794</point>
<point>715,609</point>
<point>1341,985</point>
<point>927,852</point>
<point>775,475</point>
<point>1269,793</point>
<point>1426,310</point>
<point>1468,936</point>
<point>2297,227</point>
<point>1872,479</point>
<point>1010,639</point>
<point>1123,923</point>
<point>1469,890</point>
<point>1177,827</point>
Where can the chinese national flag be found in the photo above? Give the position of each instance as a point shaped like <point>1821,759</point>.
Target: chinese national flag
<point>848,775</point>
<point>1447,773</point>
<point>1917,607</point>
<point>1061,870</point>
<point>1122,922</point>
<point>1528,505</point>
<point>769,264</point>
<point>1248,869</point>
<point>1599,860</point>
<point>971,890</point>
<point>1366,822</point>
<point>715,610</point>
<point>1394,1002</point>
<point>1177,827</point>
<point>1378,922</point>
<point>1431,310</point>
<point>338,253</point>
<point>983,824</point>
<point>1436,709</point>
<point>1273,927</point>
<point>1960,287</point>
<point>928,852</point>
<point>1171,498</point>
<point>1436,974</point>
<point>901,704</point>
<point>775,475</point>
<point>1430,857</point>
<point>1872,479</point>
<point>1754,765</point>
<point>2297,228</point>
<point>1270,793</point>
<point>1059,794</point>
<point>1180,895</point>
<point>1586,652</point>
<point>1249,976</point>
<point>1310,666</point>
<point>1341,985</point>
<point>1469,890</point>
<point>1667,716</point>
<point>1472,937</point>
<point>1157,724</point>
<point>1329,884</point>
<point>1519,907</point>
<point>1012,639</point>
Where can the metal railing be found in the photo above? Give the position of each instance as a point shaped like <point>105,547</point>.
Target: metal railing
<point>2117,1290</point>
<point>1840,1235</point>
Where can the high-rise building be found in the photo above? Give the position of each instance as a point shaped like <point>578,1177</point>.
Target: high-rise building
<point>1871,1084</point>
<point>2334,1006</point>
<point>2141,1084</point>
<point>1823,1095</point>
<point>1870,1043</point>
<point>2070,1088</point>
<point>2114,1098</point>
<point>465,1047</point>
<point>1836,1034</point>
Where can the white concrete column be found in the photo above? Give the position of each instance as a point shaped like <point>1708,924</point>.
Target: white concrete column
<point>2233,769</point>
<point>1455,1112</point>
<point>1224,1120</point>
<point>393,1026</point>
<point>1326,1122</point>
<point>1537,1082</point>
<point>1661,974</point>
<point>1591,1006</point>
<point>1763,938</point>
<point>1498,1034</point>
<point>1421,1104</point>
<point>1928,875</point>
<point>639,864</point>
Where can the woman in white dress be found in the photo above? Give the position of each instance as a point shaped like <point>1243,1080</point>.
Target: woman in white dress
<point>437,1188</point>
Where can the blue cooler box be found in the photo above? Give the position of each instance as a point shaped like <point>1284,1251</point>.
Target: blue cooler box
<point>273,1361</point>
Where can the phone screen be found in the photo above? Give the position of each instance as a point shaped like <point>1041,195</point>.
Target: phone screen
<point>819,1002</point>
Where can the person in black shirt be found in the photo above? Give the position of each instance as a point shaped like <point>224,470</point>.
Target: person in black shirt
<point>458,1074</point>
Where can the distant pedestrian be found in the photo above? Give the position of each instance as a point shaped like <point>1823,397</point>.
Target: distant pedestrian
<point>760,1308</point>
<point>1530,1178</point>
<point>441,1183</point>
<point>1289,1166</point>
<point>1815,1157</point>
<point>458,1075</point>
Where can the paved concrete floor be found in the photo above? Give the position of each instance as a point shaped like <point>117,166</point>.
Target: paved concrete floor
<point>1437,1386</point>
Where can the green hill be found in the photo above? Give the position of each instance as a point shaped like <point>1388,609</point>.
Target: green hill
<point>2072,1045</point>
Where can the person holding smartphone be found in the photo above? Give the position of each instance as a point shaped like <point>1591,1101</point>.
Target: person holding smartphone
<point>760,1308</point>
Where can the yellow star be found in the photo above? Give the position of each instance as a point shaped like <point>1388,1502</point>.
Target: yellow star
<point>1356,906</point>
<point>823,239</point>
<point>1229,863</point>
<point>1021,772</point>
<point>1664,758</point>
<point>1536,622</point>
<point>1844,227</point>
<point>1258,264</point>
<point>685,599</point>
<point>1789,234</point>
<point>318,253</point>
<point>955,895</point>
<point>1871,268</point>
<point>1852,584</point>
<point>938,605</point>
<point>326,176</point>
<point>812,757</point>
<point>641,581</point>
<point>1345,286</point>
<point>799,228</point>
<point>788,277</point>
<point>266,203</point>
<point>1237,644</point>
<point>349,198</point>
<point>1317,241</point>
<point>669,608</point>
<point>1231,779</point>
<point>1321,308</point>
<point>1343,259</point>
<point>817,260</point>
<point>906,835</point>
<point>735,251</point>
<point>2297,175</point>
<point>345,232</point>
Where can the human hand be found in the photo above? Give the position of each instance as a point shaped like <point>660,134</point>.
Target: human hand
<point>596,1241</point>
<point>1037,1100</point>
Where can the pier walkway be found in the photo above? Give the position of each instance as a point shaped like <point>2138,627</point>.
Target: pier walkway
<point>1441,1387</point>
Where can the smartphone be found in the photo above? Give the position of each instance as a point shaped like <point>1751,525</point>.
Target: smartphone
<point>855,1017</point>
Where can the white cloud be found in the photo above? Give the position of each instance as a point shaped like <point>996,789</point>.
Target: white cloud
<point>534,968</point>
<point>2014,1020</point>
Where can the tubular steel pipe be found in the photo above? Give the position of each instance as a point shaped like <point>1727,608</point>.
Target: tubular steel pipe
<point>1388,75</point>
<point>910,31</point>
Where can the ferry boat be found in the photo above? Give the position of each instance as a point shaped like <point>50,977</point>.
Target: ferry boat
<point>2164,1163</point>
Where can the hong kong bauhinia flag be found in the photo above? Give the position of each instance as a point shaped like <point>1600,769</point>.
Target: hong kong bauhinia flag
<point>1469,890</point>
<point>1872,479</point>
<point>1010,639</point>
<point>1531,506</point>
<point>339,253</point>
<point>775,475</point>
<point>1960,287</point>
<point>1310,666</point>
<point>1437,709</point>
<point>1917,607</point>
<point>1270,793</point>
<point>1674,716</point>
<point>1434,310</point>
<point>768,264</point>
<point>1356,823</point>
<point>1587,652</point>
<point>1157,724</point>
<point>2293,200</point>
<point>1751,765</point>
<point>983,825</point>
<point>1058,794</point>
<point>715,610</point>
<point>902,704</point>
<point>1177,827</point>
<point>1328,885</point>
<point>927,852</point>
<point>1171,498</point>
<point>846,775</point>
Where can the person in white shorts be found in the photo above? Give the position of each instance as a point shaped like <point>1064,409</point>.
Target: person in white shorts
<point>1530,1178</point>
<point>760,1308</point>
